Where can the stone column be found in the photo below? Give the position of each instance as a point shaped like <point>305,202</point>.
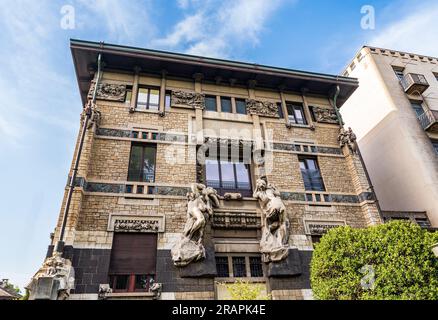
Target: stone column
<point>135,88</point>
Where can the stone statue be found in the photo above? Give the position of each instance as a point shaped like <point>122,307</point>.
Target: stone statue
<point>274,244</point>
<point>201,201</point>
<point>94,113</point>
<point>60,274</point>
<point>347,137</point>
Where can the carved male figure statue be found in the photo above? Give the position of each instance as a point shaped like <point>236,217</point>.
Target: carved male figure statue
<point>274,244</point>
<point>201,201</point>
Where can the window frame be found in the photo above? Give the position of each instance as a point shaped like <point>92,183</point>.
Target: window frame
<point>148,107</point>
<point>247,258</point>
<point>222,98</point>
<point>305,159</point>
<point>291,118</point>
<point>213,97</point>
<point>419,104</point>
<point>399,72</point>
<point>236,100</point>
<point>141,173</point>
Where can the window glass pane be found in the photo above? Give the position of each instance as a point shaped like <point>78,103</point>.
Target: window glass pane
<point>280,110</point>
<point>142,98</point>
<point>154,99</point>
<point>227,170</point>
<point>239,268</point>
<point>242,174</point>
<point>210,103</point>
<point>149,164</point>
<point>240,106</point>
<point>435,146</point>
<point>255,265</point>
<point>299,115</point>
<point>212,173</point>
<point>167,102</point>
<point>141,282</point>
<point>226,105</point>
<point>290,112</point>
<point>128,95</point>
<point>222,267</point>
<point>418,108</point>
<point>121,282</point>
<point>311,175</point>
<point>134,171</point>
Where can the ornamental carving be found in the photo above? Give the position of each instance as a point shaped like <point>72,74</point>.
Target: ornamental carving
<point>125,223</point>
<point>274,244</point>
<point>347,137</point>
<point>190,248</point>
<point>108,91</point>
<point>188,98</point>
<point>325,115</point>
<point>320,229</point>
<point>262,108</point>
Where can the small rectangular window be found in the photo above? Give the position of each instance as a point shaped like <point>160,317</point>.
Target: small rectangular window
<point>239,267</point>
<point>311,175</point>
<point>399,72</point>
<point>240,106</point>
<point>142,163</point>
<point>280,110</point>
<point>435,145</point>
<point>210,103</point>
<point>128,94</point>
<point>296,113</point>
<point>418,108</point>
<point>148,98</point>
<point>226,105</point>
<point>255,265</point>
<point>222,267</point>
<point>167,100</point>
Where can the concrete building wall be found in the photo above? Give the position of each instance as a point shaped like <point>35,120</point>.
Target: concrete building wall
<point>398,153</point>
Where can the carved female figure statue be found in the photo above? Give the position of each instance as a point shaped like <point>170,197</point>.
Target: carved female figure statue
<point>201,201</point>
<point>274,244</point>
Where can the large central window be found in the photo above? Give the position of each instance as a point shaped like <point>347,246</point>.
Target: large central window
<point>311,175</point>
<point>142,163</point>
<point>296,113</point>
<point>148,98</point>
<point>228,176</point>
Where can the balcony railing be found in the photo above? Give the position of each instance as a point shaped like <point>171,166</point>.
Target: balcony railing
<point>429,120</point>
<point>413,82</point>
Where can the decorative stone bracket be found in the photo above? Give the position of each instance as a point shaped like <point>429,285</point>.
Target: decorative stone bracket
<point>325,115</point>
<point>262,108</point>
<point>188,99</point>
<point>108,91</point>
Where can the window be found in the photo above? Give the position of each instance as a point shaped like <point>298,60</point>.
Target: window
<point>222,267</point>
<point>435,145</point>
<point>241,106</point>
<point>311,174</point>
<point>128,94</point>
<point>280,110</point>
<point>167,100</point>
<point>226,105</point>
<point>239,267</point>
<point>296,113</point>
<point>210,103</point>
<point>255,266</point>
<point>148,98</point>
<point>399,73</point>
<point>418,108</point>
<point>142,163</point>
<point>132,263</point>
<point>227,176</point>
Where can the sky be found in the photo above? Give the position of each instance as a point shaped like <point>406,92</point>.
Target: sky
<point>39,98</point>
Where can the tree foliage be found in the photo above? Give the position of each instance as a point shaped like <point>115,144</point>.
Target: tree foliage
<point>389,261</point>
<point>244,290</point>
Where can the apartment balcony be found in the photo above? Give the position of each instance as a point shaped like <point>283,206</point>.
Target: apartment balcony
<point>414,83</point>
<point>429,120</point>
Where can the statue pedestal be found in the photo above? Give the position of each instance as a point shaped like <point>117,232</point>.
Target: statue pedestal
<point>290,266</point>
<point>46,288</point>
<point>205,268</point>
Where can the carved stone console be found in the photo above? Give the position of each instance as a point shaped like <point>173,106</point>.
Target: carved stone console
<point>262,108</point>
<point>325,115</point>
<point>188,99</point>
<point>108,91</point>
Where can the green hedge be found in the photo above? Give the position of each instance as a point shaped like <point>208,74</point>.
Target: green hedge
<point>389,261</point>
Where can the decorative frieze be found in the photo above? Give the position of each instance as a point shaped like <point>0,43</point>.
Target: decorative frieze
<point>134,134</point>
<point>321,227</point>
<point>108,91</point>
<point>187,98</point>
<point>139,223</point>
<point>325,115</point>
<point>236,220</point>
<point>262,108</point>
<point>306,148</point>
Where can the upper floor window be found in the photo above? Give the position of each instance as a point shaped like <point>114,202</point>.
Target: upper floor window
<point>228,176</point>
<point>148,98</point>
<point>167,100</point>
<point>142,163</point>
<point>132,262</point>
<point>210,103</point>
<point>296,113</point>
<point>241,106</point>
<point>128,94</point>
<point>226,105</point>
<point>280,110</point>
<point>418,108</point>
<point>399,73</point>
<point>239,266</point>
<point>311,174</point>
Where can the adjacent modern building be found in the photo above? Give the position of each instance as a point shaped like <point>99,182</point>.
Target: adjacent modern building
<point>394,114</point>
<point>192,172</point>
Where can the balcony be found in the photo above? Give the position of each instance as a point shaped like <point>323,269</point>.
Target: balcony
<point>414,83</point>
<point>429,120</point>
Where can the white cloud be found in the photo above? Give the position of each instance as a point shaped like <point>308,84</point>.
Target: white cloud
<point>416,32</point>
<point>217,28</point>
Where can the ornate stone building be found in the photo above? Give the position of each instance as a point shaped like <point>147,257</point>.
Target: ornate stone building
<point>195,172</point>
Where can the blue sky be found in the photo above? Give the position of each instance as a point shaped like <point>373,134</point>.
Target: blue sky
<point>40,104</point>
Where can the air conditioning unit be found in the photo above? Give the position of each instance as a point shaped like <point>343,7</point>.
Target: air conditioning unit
<point>414,83</point>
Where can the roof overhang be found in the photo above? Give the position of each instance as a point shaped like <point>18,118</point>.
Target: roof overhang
<point>125,58</point>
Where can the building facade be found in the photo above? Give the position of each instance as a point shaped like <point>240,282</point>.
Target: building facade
<point>168,130</point>
<point>394,114</point>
